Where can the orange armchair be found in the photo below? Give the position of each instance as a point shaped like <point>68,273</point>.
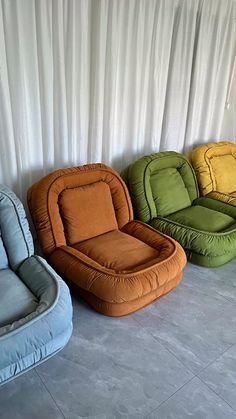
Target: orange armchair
<point>84,221</point>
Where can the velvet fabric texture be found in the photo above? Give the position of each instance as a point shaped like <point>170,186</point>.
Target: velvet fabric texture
<point>205,227</point>
<point>215,168</point>
<point>84,220</point>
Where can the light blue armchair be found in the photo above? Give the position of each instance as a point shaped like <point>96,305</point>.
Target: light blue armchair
<point>35,303</point>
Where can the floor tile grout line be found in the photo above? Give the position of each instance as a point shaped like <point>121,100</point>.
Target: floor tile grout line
<point>167,349</point>
<point>216,359</point>
<point>169,321</point>
<point>168,398</point>
<point>45,386</point>
<point>163,348</point>
<point>227,300</point>
<point>203,368</point>
<point>198,376</point>
<point>194,376</point>
<point>184,366</point>
<point>210,294</point>
<point>164,401</point>
<point>217,394</point>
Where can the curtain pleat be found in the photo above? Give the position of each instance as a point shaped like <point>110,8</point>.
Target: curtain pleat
<point>109,80</point>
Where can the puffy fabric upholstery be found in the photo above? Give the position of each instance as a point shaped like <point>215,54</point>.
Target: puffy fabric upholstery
<point>14,230</point>
<point>205,227</point>
<point>77,207</point>
<point>84,220</point>
<point>215,168</point>
<point>35,304</point>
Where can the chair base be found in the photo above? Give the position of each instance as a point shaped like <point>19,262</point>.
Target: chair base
<point>123,309</point>
<point>120,293</point>
<point>210,261</point>
<point>219,248</point>
<point>32,360</point>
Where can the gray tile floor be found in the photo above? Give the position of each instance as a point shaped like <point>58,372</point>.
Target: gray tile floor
<point>174,359</point>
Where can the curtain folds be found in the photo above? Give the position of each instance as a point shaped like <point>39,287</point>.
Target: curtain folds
<point>109,80</point>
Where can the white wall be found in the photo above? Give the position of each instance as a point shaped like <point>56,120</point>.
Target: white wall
<point>110,80</point>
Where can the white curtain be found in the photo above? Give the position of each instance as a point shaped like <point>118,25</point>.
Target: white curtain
<point>109,80</point>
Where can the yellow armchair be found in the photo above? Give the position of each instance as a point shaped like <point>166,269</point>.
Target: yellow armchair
<point>215,168</point>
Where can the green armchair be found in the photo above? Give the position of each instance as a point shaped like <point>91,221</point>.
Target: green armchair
<point>165,194</point>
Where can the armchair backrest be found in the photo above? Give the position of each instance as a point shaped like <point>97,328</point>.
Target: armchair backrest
<point>161,184</point>
<point>75,204</point>
<point>16,242</point>
<point>215,167</point>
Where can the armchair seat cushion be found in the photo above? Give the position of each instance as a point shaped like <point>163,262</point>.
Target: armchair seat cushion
<point>118,252</point>
<point>123,253</point>
<point>203,219</point>
<point>16,300</point>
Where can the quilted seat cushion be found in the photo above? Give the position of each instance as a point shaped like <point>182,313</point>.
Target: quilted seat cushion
<point>17,300</point>
<point>203,219</point>
<point>119,252</point>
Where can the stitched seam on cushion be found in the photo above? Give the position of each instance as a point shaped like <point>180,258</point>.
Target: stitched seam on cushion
<point>216,195</point>
<point>40,315</point>
<point>167,238</point>
<point>55,280</point>
<point>206,256</point>
<point>218,201</point>
<point>19,219</point>
<point>128,186</point>
<point>144,178</point>
<point>32,365</point>
<point>219,193</point>
<point>118,274</point>
<point>207,160</point>
<point>195,230</point>
<point>143,295</point>
<point>194,176</point>
<point>108,272</point>
<point>155,231</point>
<point>213,181</point>
<point>49,215</point>
<point>143,184</point>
